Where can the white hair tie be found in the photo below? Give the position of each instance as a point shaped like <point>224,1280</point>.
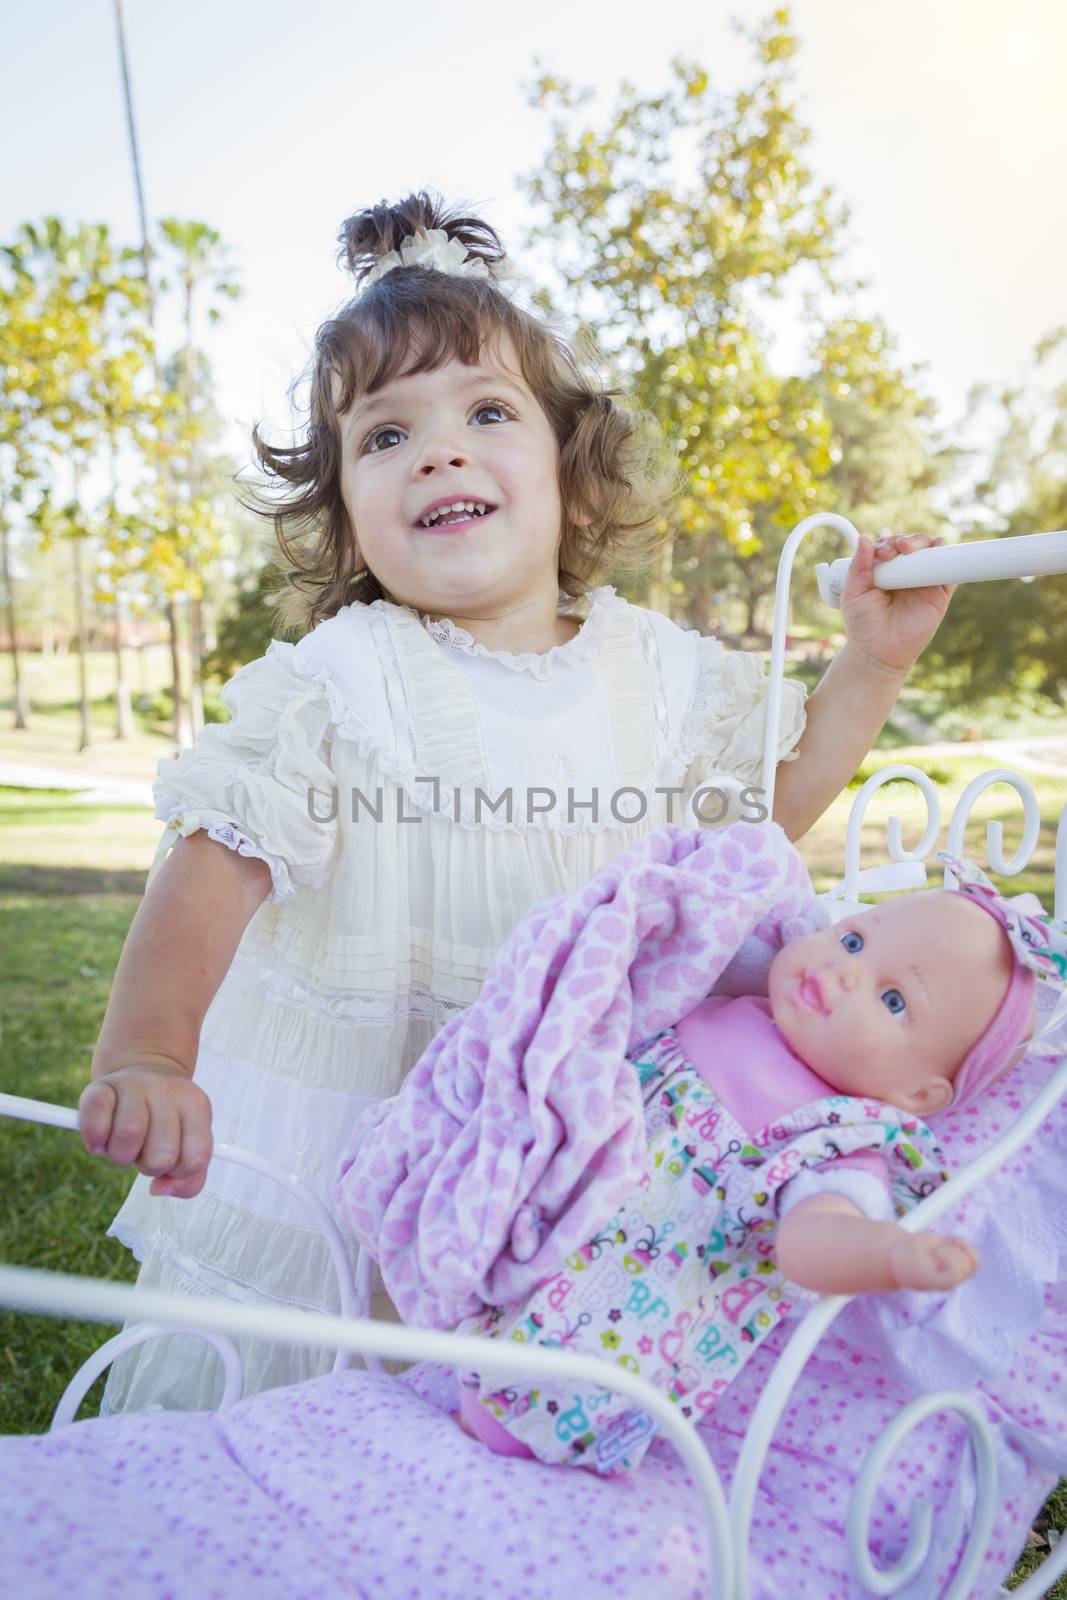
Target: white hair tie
<point>433,249</point>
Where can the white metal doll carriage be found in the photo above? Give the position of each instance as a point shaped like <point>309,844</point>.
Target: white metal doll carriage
<point>728,1519</point>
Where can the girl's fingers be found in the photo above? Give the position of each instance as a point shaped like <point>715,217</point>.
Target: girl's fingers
<point>129,1127</point>
<point>860,568</point>
<point>162,1145</point>
<point>902,544</point>
<point>186,1177</point>
<point>196,1141</point>
<point>96,1108</point>
<point>178,1188</point>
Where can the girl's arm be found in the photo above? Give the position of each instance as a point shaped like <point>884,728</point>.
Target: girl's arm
<point>142,1105</point>
<point>827,1244</point>
<point>886,631</point>
<point>845,715</point>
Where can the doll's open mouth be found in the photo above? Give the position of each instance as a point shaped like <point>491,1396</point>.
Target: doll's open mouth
<point>809,994</point>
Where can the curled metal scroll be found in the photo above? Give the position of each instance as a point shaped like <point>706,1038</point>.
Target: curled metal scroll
<point>957,828</point>
<point>890,1580</point>
<point>850,886</point>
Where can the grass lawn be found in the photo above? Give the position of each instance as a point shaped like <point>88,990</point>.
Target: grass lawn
<point>54,733</point>
<point>71,876</point>
<point>823,846</point>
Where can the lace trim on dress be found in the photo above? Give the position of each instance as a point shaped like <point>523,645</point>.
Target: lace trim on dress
<point>707,702</point>
<point>593,608</point>
<point>352,1007</point>
<point>399,760</point>
<point>184,822</point>
<point>668,749</point>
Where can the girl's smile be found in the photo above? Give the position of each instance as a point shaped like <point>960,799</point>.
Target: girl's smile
<point>443,514</point>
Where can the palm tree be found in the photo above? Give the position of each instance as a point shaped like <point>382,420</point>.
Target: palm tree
<point>201,261</point>
<point>181,730</point>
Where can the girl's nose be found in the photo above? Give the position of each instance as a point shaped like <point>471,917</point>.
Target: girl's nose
<point>440,452</point>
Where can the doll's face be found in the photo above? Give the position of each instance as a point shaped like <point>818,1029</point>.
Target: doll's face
<point>888,1003</point>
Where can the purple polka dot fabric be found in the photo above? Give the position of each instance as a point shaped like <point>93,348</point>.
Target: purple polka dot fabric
<point>364,1486</point>
<point>522,1124</point>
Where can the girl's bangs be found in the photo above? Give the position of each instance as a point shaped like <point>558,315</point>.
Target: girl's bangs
<point>409,328</point>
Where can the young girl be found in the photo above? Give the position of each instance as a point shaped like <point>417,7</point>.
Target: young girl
<point>472,723</point>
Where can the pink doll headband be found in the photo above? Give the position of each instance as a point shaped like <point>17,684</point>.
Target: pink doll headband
<point>1039,947</point>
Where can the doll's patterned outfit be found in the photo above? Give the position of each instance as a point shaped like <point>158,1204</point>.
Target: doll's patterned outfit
<point>681,1285</point>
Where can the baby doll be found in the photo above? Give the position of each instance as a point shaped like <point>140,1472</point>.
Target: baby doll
<point>784,1134</point>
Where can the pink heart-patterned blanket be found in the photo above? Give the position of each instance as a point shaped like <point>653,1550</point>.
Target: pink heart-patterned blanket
<point>522,1126</point>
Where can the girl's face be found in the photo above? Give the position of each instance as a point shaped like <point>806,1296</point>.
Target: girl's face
<point>887,1003</point>
<point>430,441</point>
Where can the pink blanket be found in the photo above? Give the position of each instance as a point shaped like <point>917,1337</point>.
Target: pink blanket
<point>522,1125</point>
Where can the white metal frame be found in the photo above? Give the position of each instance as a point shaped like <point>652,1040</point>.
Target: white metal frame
<point>727,1523</point>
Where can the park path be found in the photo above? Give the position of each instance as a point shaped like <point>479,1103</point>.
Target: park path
<point>85,790</point>
<point>1042,754</point>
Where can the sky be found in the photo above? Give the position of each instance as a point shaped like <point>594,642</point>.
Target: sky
<point>940,124</point>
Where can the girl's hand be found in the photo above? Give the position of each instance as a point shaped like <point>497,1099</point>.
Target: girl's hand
<point>930,1261</point>
<point>890,628</point>
<point>151,1115</point>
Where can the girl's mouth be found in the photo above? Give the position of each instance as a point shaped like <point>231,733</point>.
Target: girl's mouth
<point>454,521</point>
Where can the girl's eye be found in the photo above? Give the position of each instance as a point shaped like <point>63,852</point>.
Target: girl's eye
<point>894,1001</point>
<point>495,405</point>
<point>852,942</point>
<point>371,444</point>
<point>373,447</point>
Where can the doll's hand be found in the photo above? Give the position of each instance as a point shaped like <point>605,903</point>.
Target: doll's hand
<point>890,628</point>
<point>931,1261</point>
<point>151,1115</point>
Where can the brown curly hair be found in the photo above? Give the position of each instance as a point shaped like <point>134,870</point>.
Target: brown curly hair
<point>615,468</point>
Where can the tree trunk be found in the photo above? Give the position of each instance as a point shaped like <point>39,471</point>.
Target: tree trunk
<point>700,606</point>
<point>659,590</point>
<point>83,642</point>
<point>180,730</point>
<point>123,705</point>
<point>22,699</point>
<point>196,681</point>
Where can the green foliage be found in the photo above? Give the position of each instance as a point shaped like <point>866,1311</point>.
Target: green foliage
<point>672,225</point>
<point>246,631</point>
<point>999,637</point>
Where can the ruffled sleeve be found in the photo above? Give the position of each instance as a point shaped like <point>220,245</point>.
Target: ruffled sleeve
<point>261,782</point>
<point>725,724</point>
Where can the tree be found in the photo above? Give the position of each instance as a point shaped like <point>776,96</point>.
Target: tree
<point>202,265</point>
<point>671,226</point>
<point>996,640</point>
<point>247,630</point>
<point>85,345</point>
<point>668,226</point>
<point>19,352</point>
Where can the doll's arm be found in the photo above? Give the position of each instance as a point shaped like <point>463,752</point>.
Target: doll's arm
<point>827,1244</point>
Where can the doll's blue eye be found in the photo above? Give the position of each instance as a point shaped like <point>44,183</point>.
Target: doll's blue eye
<point>853,942</point>
<point>895,1001</point>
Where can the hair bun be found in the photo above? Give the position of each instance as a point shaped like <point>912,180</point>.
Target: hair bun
<point>367,236</point>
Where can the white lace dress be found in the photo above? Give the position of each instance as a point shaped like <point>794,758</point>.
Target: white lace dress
<point>391,893</point>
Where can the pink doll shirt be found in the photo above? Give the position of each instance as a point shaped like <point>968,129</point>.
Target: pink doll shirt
<point>736,1047</point>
